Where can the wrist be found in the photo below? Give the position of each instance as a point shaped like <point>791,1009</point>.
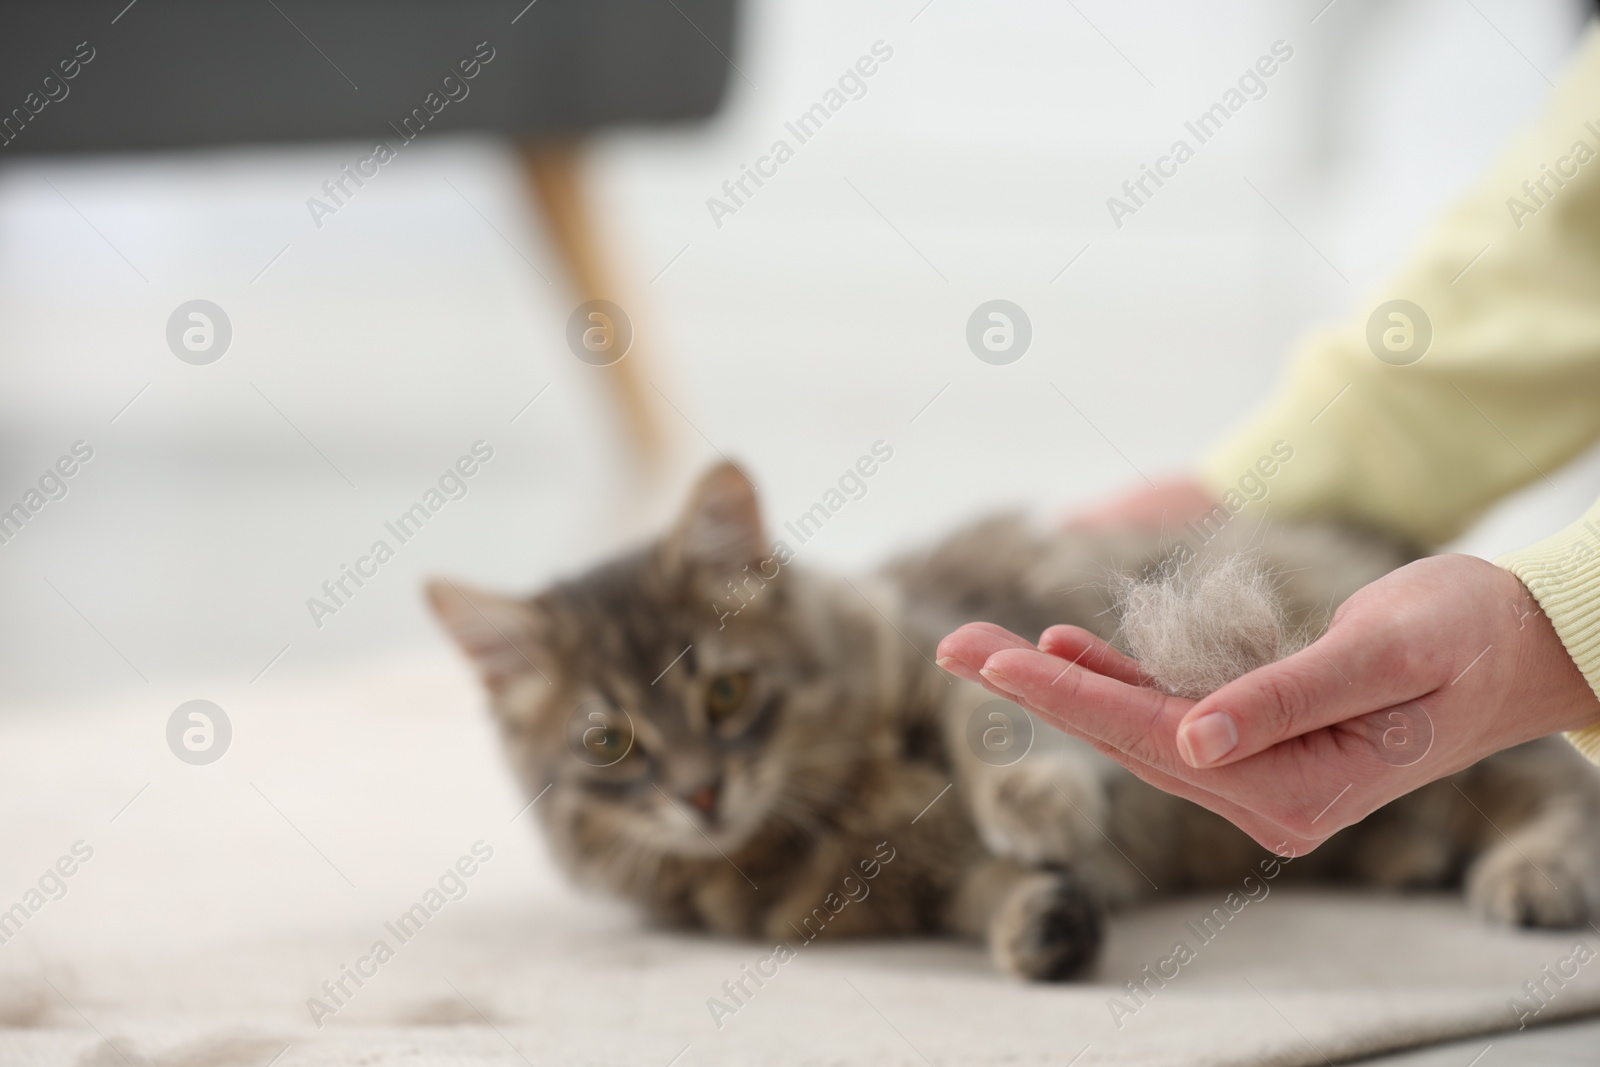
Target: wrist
<point>1547,665</point>
<point>1562,575</point>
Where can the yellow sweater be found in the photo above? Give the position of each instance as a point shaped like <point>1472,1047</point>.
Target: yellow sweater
<point>1420,434</point>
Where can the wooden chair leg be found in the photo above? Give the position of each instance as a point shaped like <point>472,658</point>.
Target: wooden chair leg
<point>553,169</point>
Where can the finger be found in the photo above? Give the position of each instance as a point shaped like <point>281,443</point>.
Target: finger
<point>1140,722</point>
<point>1353,669</point>
<point>963,652</point>
<point>1294,797</point>
<point>1077,645</point>
<point>1284,792</point>
<point>1169,503</point>
<point>1270,835</point>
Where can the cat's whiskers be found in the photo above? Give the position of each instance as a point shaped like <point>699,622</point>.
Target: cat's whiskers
<point>851,744</point>
<point>642,856</point>
<point>796,789</point>
<point>798,817</point>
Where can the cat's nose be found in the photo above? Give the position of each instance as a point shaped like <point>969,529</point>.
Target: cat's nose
<point>704,799</point>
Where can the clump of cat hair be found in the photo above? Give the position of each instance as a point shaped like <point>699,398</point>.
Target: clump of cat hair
<point>1195,625</point>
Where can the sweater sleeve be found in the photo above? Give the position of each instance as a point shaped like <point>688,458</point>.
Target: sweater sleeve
<point>1494,377</point>
<point>1563,574</point>
<point>1476,371</point>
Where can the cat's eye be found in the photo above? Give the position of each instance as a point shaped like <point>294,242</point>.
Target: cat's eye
<point>601,737</point>
<point>605,743</point>
<point>727,694</point>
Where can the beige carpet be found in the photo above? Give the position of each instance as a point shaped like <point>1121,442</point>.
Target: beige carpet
<point>220,899</point>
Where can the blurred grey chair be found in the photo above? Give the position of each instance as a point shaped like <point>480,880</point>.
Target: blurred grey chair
<point>109,75</point>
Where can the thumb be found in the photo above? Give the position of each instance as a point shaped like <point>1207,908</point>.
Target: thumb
<point>1351,670</point>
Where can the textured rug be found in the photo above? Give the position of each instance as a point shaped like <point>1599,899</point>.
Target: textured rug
<point>221,915</point>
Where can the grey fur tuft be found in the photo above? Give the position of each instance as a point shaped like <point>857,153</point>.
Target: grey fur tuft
<point>1197,626</point>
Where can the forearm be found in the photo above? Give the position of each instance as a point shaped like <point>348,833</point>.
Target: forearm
<point>1563,574</point>
<point>1509,386</point>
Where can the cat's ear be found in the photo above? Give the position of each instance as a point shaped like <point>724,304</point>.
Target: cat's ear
<point>720,527</point>
<point>499,635</point>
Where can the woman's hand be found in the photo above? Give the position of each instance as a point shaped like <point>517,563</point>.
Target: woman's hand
<point>1420,674</point>
<point>1171,503</point>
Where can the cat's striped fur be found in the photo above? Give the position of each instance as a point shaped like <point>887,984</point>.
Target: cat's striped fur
<point>730,770</point>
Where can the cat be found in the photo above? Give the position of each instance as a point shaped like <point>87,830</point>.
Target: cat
<point>743,746</point>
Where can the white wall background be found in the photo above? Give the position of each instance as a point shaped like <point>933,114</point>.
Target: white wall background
<point>792,337</point>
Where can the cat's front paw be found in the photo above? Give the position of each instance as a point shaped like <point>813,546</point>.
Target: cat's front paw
<point>1047,929</point>
<point>1544,888</point>
<point>1040,811</point>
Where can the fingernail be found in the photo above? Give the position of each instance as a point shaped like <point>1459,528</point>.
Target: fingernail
<point>1208,739</point>
<point>999,681</point>
<point>958,668</point>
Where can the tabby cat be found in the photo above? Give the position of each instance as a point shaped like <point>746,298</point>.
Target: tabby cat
<point>747,747</point>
